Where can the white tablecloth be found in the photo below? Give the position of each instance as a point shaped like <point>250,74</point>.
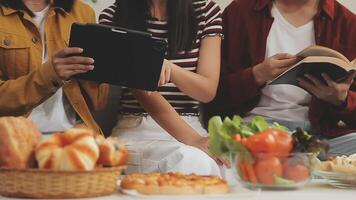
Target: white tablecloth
<point>316,190</point>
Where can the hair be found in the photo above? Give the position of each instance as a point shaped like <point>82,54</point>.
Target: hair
<point>67,5</point>
<point>182,21</point>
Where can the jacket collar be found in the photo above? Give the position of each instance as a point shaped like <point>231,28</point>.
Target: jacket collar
<point>327,6</point>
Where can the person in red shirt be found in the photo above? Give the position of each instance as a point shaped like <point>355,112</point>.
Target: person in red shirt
<point>262,38</point>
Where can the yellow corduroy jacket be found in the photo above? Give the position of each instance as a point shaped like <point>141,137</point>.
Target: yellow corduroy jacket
<point>25,82</point>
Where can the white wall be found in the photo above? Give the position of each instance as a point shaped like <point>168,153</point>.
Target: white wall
<point>102,4</point>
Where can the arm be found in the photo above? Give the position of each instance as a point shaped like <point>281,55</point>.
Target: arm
<point>332,102</point>
<point>20,96</point>
<point>201,85</point>
<point>164,114</point>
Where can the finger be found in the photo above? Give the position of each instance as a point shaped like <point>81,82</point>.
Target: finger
<point>328,80</point>
<point>168,75</point>
<point>77,60</point>
<point>79,67</point>
<point>225,162</point>
<point>218,161</point>
<point>75,72</point>
<point>314,80</point>
<point>286,62</point>
<point>163,79</point>
<point>308,86</point>
<point>68,51</point>
<point>282,56</point>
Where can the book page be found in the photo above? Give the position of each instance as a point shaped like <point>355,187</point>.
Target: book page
<point>353,64</point>
<point>321,51</point>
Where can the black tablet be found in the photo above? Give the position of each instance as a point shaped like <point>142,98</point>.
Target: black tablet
<point>122,57</point>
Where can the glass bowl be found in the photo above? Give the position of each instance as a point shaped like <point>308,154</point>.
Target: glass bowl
<point>276,172</point>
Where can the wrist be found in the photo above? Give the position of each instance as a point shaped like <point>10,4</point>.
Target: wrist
<point>193,140</point>
<point>257,75</point>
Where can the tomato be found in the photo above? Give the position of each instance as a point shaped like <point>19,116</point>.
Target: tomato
<point>271,142</point>
<point>297,173</point>
<point>267,168</point>
<point>261,143</point>
<point>284,142</point>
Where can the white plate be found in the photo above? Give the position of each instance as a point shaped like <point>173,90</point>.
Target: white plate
<point>235,193</point>
<point>339,180</point>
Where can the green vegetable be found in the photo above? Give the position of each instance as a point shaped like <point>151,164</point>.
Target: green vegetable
<point>279,127</point>
<point>282,181</point>
<point>259,124</point>
<point>222,132</point>
<point>230,127</point>
<point>218,136</point>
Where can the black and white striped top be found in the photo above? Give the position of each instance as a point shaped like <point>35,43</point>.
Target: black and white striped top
<point>210,24</point>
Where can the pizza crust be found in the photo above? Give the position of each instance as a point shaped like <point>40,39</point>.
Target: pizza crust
<point>174,184</point>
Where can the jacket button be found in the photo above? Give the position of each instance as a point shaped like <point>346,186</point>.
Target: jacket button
<point>34,40</point>
<point>7,41</point>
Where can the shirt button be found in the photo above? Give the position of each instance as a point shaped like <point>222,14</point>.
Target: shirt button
<point>34,40</point>
<point>7,41</point>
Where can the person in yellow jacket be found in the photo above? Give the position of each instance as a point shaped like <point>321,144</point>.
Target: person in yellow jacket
<point>36,65</point>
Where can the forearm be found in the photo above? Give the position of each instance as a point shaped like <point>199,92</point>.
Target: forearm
<point>194,85</point>
<point>202,84</point>
<point>20,96</point>
<point>164,114</point>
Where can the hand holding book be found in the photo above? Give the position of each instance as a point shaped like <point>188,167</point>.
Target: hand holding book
<point>316,60</point>
<point>334,92</point>
<point>273,66</point>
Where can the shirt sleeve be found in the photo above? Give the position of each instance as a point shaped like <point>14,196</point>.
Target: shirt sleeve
<point>107,15</point>
<point>213,20</point>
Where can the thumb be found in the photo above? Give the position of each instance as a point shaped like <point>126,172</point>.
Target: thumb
<point>281,56</point>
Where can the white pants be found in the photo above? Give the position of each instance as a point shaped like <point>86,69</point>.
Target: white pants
<point>152,149</point>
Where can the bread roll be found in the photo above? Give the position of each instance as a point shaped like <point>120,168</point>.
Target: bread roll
<point>74,150</point>
<point>113,153</point>
<point>18,139</point>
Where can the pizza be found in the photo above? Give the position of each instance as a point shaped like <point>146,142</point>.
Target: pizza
<point>341,164</point>
<point>174,184</point>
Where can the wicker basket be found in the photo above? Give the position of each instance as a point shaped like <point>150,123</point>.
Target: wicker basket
<point>44,184</point>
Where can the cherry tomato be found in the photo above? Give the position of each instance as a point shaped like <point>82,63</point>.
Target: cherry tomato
<point>284,142</point>
<point>267,168</point>
<point>297,173</point>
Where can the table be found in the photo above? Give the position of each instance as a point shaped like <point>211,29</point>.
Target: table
<point>316,190</point>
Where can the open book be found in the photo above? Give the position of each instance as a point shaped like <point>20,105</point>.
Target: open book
<point>315,61</point>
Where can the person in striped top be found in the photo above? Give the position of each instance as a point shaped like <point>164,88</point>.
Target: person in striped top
<point>162,129</point>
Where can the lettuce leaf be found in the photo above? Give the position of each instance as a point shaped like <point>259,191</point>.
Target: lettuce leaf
<point>217,138</point>
<point>258,124</point>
